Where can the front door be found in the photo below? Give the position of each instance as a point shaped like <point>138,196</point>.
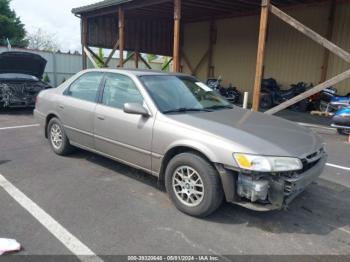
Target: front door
<point>123,136</point>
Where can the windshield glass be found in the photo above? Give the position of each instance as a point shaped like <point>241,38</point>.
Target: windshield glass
<point>13,76</point>
<point>182,93</point>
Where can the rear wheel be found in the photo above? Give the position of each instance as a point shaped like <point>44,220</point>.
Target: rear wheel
<point>193,185</point>
<point>57,138</point>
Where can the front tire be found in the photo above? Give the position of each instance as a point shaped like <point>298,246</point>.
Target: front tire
<point>57,138</point>
<point>193,185</point>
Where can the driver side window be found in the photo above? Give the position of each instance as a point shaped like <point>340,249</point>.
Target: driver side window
<point>120,89</point>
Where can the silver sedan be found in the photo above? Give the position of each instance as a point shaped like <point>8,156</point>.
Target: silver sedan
<point>176,128</point>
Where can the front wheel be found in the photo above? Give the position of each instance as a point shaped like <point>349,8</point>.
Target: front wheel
<point>193,185</point>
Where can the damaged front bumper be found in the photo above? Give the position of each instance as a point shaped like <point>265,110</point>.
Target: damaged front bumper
<point>264,192</point>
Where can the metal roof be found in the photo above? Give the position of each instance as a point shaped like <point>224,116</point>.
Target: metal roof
<point>98,5</point>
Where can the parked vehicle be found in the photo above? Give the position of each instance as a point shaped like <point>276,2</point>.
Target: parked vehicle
<point>331,102</point>
<point>273,95</point>
<point>230,93</point>
<point>341,121</point>
<point>180,130</point>
<point>20,78</point>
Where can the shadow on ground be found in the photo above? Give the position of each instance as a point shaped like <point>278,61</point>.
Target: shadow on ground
<point>321,209</point>
<point>16,111</point>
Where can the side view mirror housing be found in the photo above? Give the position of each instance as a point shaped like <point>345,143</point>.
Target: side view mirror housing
<point>135,109</point>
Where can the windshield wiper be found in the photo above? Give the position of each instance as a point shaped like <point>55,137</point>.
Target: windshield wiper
<point>219,107</point>
<point>184,110</point>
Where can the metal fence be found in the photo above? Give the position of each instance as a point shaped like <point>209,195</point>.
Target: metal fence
<point>61,66</point>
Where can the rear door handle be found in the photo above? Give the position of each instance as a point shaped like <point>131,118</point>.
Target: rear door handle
<point>100,117</point>
<point>61,107</point>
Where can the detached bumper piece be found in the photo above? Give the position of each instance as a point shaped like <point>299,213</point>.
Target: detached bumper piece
<point>264,192</point>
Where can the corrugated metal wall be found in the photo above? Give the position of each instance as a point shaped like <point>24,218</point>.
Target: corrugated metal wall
<point>62,66</point>
<point>290,56</point>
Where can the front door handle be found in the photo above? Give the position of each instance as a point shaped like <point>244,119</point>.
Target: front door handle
<point>100,117</point>
<point>61,107</point>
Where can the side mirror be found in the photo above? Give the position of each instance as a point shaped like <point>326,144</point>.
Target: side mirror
<point>135,109</point>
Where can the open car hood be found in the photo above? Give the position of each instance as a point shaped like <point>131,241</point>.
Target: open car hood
<point>22,63</point>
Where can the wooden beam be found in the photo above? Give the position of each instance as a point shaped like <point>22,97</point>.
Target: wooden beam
<point>212,41</point>
<point>167,64</point>
<point>188,63</point>
<point>311,34</point>
<point>121,36</point>
<point>136,59</point>
<point>177,27</point>
<point>86,51</point>
<point>331,82</point>
<point>84,38</point>
<point>95,56</point>
<point>129,57</point>
<point>329,36</point>
<point>116,46</point>
<point>204,57</point>
<point>144,61</point>
<point>261,53</point>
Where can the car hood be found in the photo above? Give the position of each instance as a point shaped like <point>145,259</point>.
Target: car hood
<point>255,132</point>
<point>22,63</point>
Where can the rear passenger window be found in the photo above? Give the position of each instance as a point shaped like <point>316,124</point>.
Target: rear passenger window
<point>120,89</point>
<point>86,87</point>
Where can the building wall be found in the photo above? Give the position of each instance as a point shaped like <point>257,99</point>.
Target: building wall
<point>290,56</point>
<point>61,66</point>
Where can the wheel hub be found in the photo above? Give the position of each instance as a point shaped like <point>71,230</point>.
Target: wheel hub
<point>188,186</point>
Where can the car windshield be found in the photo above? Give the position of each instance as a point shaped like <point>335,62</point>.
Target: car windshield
<point>12,76</point>
<point>175,94</point>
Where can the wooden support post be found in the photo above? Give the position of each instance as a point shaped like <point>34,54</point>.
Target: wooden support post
<point>84,39</point>
<point>145,62</point>
<point>212,41</point>
<point>177,27</point>
<point>136,59</point>
<point>188,63</point>
<point>121,36</point>
<point>329,36</point>
<point>167,64</point>
<point>116,46</point>
<point>129,57</point>
<point>261,52</point>
<point>333,81</point>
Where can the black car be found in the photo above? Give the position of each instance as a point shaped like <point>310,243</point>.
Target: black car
<point>20,78</point>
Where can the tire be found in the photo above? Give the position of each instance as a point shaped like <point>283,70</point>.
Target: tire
<point>194,168</point>
<point>61,146</point>
<point>300,107</point>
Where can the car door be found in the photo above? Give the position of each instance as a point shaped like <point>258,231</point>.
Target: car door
<point>77,108</point>
<point>126,137</point>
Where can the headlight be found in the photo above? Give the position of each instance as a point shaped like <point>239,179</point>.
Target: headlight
<point>267,163</point>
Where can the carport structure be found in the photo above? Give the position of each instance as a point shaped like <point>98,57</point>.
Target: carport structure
<point>156,27</point>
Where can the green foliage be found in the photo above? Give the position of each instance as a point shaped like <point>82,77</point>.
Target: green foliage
<point>165,65</point>
<point>100,55</point>
<point>11,26</point>
<point>151,57</point>
<point>46,78</point>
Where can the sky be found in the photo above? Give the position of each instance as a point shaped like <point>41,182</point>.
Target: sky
<point>54,17</point>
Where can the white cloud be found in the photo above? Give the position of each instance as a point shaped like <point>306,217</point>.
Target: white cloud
<point>53,16</point>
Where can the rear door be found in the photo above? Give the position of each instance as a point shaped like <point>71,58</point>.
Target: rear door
<point>123,136</point>
<point>77,108</point>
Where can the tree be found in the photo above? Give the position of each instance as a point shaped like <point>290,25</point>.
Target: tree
<point>11,26</point>
<point>42,40</point>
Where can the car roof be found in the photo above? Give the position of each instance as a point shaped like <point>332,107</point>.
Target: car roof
<point>136,72</point>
